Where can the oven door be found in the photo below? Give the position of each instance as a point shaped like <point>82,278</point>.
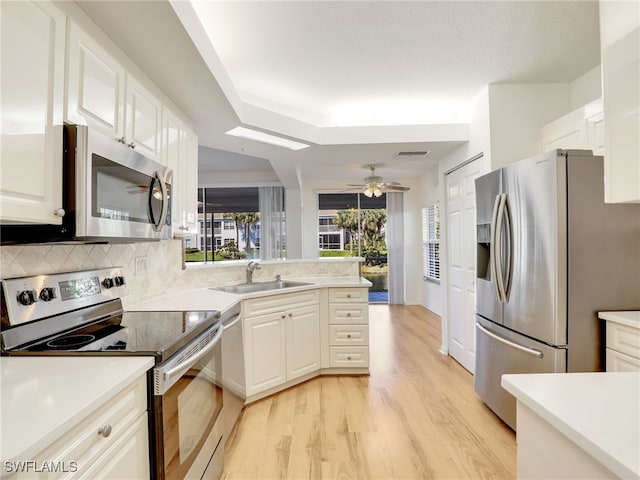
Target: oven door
<point>188,415</point>
<point>119,193</point>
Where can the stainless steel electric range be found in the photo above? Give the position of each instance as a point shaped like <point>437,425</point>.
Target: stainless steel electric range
<point>81,313</point>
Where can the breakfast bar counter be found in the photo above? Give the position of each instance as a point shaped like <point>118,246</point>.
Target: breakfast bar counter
<point>577,425</point>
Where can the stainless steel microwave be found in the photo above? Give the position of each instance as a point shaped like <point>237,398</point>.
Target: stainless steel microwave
<point>112,194</point>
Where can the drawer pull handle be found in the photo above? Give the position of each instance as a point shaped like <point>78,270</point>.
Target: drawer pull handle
<point>348,314</point>
<point>348,335</point>
<point>348,295</point>
<point>105,431</point>
<point>291,314</point>
<point>283,316</point>
<point>349,358</point>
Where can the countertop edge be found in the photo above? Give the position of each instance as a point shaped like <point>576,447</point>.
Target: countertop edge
<point>29,452</point>
<point>511,384</point>
<point>630,318</point>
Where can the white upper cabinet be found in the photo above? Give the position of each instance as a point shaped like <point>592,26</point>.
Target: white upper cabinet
<point>32,79</point>
<point>96,81</point>
<point>143,117</point>
<point>103,95</point>
<point>581,129</point>
<point>620,44</point>
<point>180,150</point>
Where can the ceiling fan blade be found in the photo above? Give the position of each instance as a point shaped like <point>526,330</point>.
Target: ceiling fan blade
<point>396,188</point>
<point>391,183</point>
<point>354,185</point>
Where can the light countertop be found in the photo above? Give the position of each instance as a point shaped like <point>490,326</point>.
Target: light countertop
<point>44,397</point>
<point>628,318</point>
<point>597,411</point>
<point>208,298</point>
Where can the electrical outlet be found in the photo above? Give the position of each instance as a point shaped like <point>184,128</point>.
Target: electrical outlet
<point>140,265</point>
<point>322,269</point>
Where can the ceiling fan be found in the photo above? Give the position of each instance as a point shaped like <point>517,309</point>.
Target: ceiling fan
<point>375,186</point>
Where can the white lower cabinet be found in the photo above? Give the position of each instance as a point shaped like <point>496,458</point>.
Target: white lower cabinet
<point>348,327</point>
<point>303,341</point>
<point>266,357</point>
<point>110,443</point>
<point>622,347</point>
<point>282,342</point>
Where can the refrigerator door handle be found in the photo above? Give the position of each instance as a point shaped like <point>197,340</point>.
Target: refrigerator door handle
<point>509,227</point>
<point>493,250</point>
<point>499,277</point>
<point>517,346</point>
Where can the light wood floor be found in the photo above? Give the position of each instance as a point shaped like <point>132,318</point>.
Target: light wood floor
<point>415,417</point>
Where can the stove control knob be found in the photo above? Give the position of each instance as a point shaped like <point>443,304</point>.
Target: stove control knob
<point>47,294</point>
<point>119,281</point>
<point>107,283</point>
<point>27,297</point>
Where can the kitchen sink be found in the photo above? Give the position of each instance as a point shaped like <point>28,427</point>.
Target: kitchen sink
<point>259,286</point>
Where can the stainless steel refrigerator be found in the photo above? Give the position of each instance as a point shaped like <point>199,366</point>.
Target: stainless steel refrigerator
<point>550,255</point>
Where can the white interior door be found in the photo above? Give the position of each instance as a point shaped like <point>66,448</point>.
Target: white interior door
<point>461,261</point>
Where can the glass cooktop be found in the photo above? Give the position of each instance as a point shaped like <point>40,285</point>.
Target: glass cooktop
<point>159,334</point>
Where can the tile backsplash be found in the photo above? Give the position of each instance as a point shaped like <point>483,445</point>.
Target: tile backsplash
<point>163,266</point>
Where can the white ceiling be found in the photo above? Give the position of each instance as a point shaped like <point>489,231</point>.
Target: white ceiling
<point>338,74</point>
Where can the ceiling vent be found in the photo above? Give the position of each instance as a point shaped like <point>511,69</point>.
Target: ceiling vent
<point>418,153</point>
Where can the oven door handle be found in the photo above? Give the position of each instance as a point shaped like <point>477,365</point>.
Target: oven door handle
<point>182,367</point>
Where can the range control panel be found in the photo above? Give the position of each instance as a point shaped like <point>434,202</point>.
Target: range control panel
<point>32,298</point>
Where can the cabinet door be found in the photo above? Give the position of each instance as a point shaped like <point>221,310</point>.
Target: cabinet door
<point>96,94</point>
<point>128,458</point>
<point>620,44</point>
<point>31,105</point>
<point>190,185</point>
<point>143,120</point>
<point>174,151</point>
<point>265,352</point>
<point>303,341</point>
<point>180,151</point>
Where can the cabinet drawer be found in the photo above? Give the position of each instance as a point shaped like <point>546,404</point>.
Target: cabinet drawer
<point>619,362</point>
<point>342,335</point>
<point>623,339</point>
<point>348,295</point>
<point>83,444</point>
<point>276,303</point>
<point>349,356</point>
<point>346,313</point>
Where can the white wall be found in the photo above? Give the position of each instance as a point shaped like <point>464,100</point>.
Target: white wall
<point>586,88</point>
<point>516,114</point>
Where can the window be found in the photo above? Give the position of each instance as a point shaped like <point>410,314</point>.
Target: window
<point>230,221</point>
<point>431,243</point>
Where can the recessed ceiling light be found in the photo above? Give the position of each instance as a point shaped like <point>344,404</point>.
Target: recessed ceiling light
<point>263,137</point>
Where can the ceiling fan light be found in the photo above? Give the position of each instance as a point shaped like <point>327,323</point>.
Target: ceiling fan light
<point>377,192</point>
<point>369,191</point>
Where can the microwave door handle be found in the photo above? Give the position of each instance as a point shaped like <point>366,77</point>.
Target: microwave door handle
<point>181,367</point>
<point>165,203</point>
<point>492,248</point>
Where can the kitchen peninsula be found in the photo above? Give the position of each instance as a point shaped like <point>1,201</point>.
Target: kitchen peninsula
<point>577,425</point>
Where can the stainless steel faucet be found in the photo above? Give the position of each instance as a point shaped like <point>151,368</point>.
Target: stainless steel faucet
<point>251,267</point>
